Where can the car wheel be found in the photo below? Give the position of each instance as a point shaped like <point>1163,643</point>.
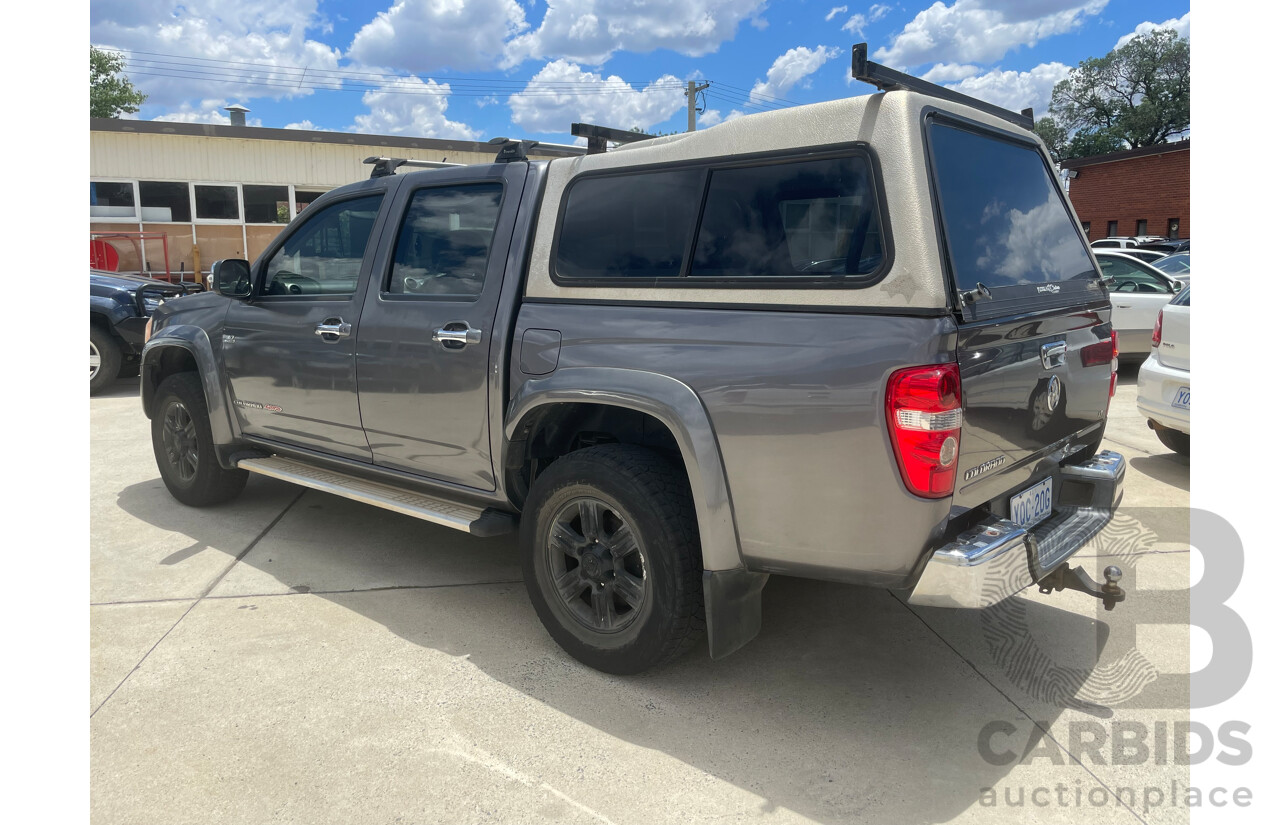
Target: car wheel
<point>183,445</point>
<point>104,359</point>
<point>612,563</point>
<point>1179,442</point>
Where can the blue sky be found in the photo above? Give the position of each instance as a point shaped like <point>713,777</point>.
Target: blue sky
<point>476,69</point>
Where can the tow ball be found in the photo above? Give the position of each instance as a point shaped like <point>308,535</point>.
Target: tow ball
<point>1065,577</point>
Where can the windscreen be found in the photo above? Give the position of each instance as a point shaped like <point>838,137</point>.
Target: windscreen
<point>1007,226</point>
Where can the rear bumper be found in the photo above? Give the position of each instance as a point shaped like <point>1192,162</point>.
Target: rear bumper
<point>1157,387</point>
<point>996,558</point>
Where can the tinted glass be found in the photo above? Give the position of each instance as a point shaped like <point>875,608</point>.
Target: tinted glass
<point>1183,298</point>
<point>165,202</point>
<point>807,218</point>
<point>1006,222</point>
<point>628,226</point>
<point>217,203</point>
<point>266,204</point>
<point>323,256</point>
<point>444,242</point>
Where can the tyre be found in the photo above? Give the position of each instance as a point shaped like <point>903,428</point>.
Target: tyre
<point>104,359</point>
<point>612,563</point>
<point>183,444</point>
<point>1179,442</point>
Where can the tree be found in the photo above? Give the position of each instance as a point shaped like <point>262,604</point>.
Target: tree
<point>1137,95</point>
<point>110,96</point>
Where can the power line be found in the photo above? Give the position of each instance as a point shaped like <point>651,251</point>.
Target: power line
<point>246,73</point>
<point>151,64</point>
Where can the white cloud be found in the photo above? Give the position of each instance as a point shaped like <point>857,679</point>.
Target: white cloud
<point>305,125</point>
<point>949,72</point>
<point>711,117</point>
<point>982,31</point>
<point>419,113</point>
<point>835,11</point>
<point>855,24</point>
<point>1015,90</point>
<point>429,35</point>
<point>206,111</point>
<point>1182,25</point>
<point>259,37</point>
<point>590,31</point>
<point>789,69</point>
<point>547,106</point>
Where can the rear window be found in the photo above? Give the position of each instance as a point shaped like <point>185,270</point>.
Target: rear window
<point>1006,223</point>
<point>770,222</point>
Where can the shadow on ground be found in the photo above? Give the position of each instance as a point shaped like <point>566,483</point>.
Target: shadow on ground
<point>847,705</point>
<point>1169,468</point>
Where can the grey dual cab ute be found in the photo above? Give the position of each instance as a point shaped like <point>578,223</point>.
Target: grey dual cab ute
<point>861,341</point>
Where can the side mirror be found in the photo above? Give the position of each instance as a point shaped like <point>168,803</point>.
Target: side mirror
<point>1177,285</point>
<point>231,278</point>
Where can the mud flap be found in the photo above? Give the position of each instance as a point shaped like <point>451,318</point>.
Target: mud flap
<point>731,599</point>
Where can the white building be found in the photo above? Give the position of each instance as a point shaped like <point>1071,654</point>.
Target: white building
<point>230,189</point>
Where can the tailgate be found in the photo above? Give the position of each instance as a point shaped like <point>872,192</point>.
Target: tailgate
<point>1034,341</point>
<point>1026,389</point>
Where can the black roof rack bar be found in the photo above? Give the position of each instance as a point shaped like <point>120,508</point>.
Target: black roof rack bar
<point>888,80</point>
<point>598,135</point>
<point>510,149</point>
<point>388,166</point>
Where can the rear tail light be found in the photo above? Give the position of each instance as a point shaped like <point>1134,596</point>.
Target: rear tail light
<point>924,412</point>
<point>1099,354</point>
<point>1155,333</point>
<point>1105,352</point>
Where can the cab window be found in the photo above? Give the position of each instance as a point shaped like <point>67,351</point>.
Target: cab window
<point>324,255</point>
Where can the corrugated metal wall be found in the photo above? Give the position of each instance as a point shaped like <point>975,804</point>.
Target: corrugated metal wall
<point>232,160</point>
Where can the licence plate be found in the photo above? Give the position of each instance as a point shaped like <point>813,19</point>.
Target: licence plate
<point>1033,504</point>
<point>1182,398</point>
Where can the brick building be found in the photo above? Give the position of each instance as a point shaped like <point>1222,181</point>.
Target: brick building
<point>1143,191</point>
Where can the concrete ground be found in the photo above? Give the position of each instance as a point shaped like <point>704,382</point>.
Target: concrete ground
<point>297,657</point>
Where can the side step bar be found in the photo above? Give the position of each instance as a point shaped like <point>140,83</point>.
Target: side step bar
<point>482,522</point>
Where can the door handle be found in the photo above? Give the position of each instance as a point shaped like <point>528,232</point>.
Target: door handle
<point>332,330</point>
<point>1124,306</point>
<point>1053,355</point>
<point>456,335</point>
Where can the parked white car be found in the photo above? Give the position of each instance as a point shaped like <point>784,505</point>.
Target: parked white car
<point>1138,291</point>
<point>1124,241</point>
<point>1164,381</point>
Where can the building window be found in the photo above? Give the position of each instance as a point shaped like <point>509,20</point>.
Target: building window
<point>217,203</point>
<point>1173,228</point>
<point>266,204</point>
<point>1112,228</point>
<point>165,202</point>
<point>1085,227</point>
<point>1141,228</point>
<point>111,200</point>
<point>302,198</point>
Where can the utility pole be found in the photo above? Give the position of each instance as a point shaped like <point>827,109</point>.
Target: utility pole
<point>692,94</point>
